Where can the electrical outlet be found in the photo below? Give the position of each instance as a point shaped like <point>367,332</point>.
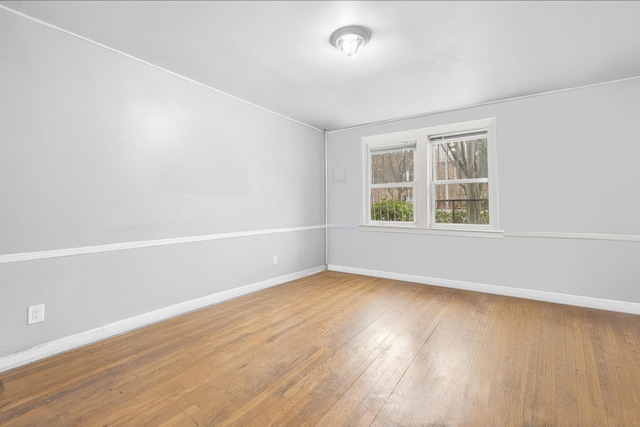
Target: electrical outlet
<point>36,314</point>
<point>275,259</point>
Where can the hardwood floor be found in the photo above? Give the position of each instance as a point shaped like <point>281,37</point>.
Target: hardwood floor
<point>336,349</point>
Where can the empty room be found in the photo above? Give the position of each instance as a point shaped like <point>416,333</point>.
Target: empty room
<point>319,213</point>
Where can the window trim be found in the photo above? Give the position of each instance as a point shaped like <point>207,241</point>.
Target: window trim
<point>423,209</point>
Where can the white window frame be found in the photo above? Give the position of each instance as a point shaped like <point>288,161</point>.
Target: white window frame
<point>424,200</point>
<point>376,147</point>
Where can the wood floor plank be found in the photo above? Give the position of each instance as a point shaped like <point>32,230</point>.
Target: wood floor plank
<point>337,349</point>
<point>413,325</point>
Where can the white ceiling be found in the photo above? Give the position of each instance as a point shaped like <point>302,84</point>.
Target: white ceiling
<point>424,56</point>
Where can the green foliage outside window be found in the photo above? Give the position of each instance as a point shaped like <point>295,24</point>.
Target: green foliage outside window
<point>444,216</point>
<point>392,210</point>
<point>396,210</point>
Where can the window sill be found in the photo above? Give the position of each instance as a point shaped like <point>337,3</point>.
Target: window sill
<point>492,234</point>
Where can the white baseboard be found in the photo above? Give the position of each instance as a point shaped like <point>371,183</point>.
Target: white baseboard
<point>580,301</point>
<point>97,334</point>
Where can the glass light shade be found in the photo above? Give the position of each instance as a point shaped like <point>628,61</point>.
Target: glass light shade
<point>350,43</point>
<point>350,39</point>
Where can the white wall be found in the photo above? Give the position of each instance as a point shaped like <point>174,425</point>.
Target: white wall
<point>567,163</point>
<point>100,149</point>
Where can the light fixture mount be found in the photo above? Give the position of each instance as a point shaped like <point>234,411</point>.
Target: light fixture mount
<point>350,38</point>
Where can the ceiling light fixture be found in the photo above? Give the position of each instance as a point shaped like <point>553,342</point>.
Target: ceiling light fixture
<point>351,38</point>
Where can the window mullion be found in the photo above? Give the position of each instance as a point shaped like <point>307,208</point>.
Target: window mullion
<point>461,181</point>
<point>409,184</point>
<point>419,207</point>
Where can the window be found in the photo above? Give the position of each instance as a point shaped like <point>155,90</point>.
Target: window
<point>392,184</point>
<point>460,179</point>
<point>442,177</point>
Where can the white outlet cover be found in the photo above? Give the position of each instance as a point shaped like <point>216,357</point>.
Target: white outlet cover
<point>36,314</point>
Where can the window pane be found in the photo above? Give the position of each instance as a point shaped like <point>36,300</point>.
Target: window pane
<point>462,204</point>
<point>392,204</point>
<point>392,166</point>
<point>460,159</point>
